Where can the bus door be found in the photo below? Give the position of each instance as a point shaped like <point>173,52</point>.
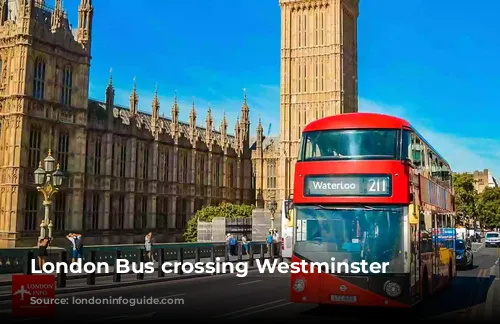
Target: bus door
<point>436,262</point>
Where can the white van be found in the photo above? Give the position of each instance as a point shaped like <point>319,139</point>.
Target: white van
<point>492,239</point>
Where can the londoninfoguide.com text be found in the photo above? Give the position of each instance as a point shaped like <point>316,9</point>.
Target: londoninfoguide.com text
<point>240,269</point>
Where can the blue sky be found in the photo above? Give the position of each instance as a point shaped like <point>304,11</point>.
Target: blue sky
<point>430,62</point>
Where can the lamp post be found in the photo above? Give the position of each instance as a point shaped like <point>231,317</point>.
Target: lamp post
<point>48,180</point>
<point>272,205</point>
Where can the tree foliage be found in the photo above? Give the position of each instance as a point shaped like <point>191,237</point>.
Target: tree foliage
<point>466,197</point>
<point>206,214</point>
<point>489,207</point>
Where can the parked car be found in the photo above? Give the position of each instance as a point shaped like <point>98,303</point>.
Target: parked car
<point>463,255</point>
<point>492,239</point>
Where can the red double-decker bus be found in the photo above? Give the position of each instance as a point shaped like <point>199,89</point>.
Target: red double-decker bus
<point>368,190</point>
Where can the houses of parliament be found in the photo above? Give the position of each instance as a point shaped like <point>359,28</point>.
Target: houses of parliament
<point>128,172</point>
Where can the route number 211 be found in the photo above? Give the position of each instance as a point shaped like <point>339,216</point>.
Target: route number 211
<point>377,185</point>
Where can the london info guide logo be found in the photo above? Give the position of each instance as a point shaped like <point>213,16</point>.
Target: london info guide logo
<point>25,288</point>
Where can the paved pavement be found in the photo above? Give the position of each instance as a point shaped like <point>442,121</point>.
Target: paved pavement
<point>475,295</point>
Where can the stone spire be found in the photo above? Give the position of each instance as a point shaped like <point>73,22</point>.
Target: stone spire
<point>57,16</point>
<point>155,106</point>
<point>174,128</point>
<point>260,135</point>
<point>244,109</point>
<point>223,130</point>
<point>134,100</point>
<point>192,122</point>
<point>155,114</point>
<point>175,110</point>
<point>110,91</point>
<point>85,14</point>
<point>237,133</point>
<point>209,126</point>
<point>192,116</point>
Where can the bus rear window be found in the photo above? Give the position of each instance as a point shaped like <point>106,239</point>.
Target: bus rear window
<point>366,144</point>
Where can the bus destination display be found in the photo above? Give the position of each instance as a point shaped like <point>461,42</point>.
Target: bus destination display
<point>352,185</point>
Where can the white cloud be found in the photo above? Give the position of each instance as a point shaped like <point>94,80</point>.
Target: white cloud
<point>464,153</point>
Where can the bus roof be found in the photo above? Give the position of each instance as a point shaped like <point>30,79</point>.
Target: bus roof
<point>364,121</point>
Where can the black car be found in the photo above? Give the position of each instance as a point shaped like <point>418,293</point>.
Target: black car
<point>463,255</point>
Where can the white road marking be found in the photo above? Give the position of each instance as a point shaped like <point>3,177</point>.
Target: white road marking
<point>261,310</point>
<point>123,317</point>
<point>109,318</point>
<point>250,308</point>
<point>249,282</point>
<point>148,315</point>
<point>170,296</point>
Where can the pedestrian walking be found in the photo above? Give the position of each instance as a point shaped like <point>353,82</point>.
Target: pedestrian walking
<point>148,246</point>
<point>228,237</point>
<point>244,242</point>
<point>276,240</point>
<point>77,242</point>
<point>270,241</point>
<point>232,245</point>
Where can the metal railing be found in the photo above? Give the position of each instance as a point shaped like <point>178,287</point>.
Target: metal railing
<point>19,260</point>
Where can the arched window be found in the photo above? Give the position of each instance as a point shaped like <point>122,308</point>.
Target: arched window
<point>39,79</point>
<point>67,83</point>
<point>271,174</point>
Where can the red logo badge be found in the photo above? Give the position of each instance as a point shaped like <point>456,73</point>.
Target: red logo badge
<point>33,295</point>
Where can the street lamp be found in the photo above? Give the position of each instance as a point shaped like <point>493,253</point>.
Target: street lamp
<point>272,205</point>
<point>48,183</point>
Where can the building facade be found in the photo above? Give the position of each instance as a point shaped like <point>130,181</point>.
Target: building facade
<point>319,78</point>
<point>126,171</point>
<point>484,179</point>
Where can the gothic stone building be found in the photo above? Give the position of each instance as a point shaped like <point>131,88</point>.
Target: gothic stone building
<point>319,78</point>
<point>126,172</point>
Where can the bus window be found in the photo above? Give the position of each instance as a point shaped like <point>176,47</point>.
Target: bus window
<point>422,221</point>
<point>370,144</point>
<point>407,146</point>
<point>417,151</point>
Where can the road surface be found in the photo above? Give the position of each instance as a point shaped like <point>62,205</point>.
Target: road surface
<point>265,296</point>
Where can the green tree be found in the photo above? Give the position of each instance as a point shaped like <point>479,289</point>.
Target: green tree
<point>466,197</point>
<point>206,214</point>
<point>489,207</point>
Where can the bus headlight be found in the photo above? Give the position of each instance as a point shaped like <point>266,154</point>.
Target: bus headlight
<point>299,285</point>
<point>392,289</point>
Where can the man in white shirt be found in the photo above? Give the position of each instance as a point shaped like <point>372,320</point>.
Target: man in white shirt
<point>276,239</point>
<point>77,252</point>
